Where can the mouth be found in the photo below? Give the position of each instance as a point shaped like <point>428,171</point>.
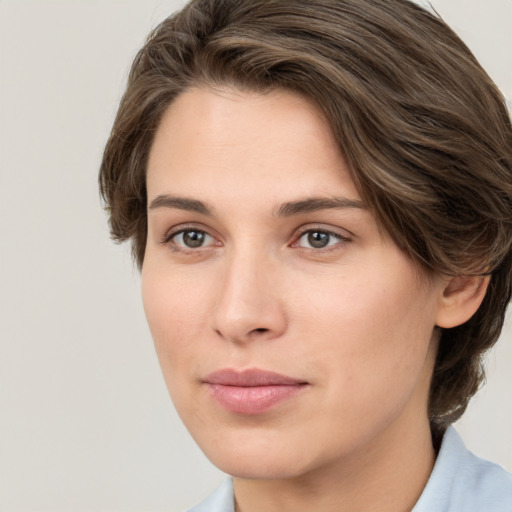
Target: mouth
<point>251,391</point>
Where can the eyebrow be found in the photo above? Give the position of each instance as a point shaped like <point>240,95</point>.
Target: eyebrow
<point>181,203</point>
<point>288,209</point>
<point>314,204</point>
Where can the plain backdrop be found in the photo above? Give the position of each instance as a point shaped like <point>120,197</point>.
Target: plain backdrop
<point>85,421</point>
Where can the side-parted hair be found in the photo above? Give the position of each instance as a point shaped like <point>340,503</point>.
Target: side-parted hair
<point>425,132</point>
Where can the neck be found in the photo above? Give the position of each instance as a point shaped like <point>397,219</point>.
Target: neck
<point>389,476</point>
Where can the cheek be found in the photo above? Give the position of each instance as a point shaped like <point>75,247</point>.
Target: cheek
<point>176,317</point>
<point>373,334</point>
<point>176,313</point>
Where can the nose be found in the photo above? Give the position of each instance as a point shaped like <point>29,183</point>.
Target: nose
<point>249,305</point>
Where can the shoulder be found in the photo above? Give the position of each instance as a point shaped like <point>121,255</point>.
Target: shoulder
<point>463,481</point>
<point>490,484</point>
<point>221,500</point>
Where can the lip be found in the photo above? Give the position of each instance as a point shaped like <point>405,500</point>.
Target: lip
<point>251,391</point>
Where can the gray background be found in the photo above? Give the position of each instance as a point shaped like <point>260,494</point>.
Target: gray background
<point>86,423</point>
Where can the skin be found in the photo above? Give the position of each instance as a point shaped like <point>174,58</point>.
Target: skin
<point>355,319</point>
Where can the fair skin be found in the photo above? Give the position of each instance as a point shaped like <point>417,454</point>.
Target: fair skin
<point>261,256</point>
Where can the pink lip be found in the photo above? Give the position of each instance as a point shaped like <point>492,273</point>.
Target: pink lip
<point>251,391</point>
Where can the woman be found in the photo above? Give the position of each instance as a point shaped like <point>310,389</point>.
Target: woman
<point>319,196</point>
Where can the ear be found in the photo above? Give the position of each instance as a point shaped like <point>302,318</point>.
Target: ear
<point>460,298</point>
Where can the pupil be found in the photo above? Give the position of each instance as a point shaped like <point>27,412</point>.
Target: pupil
<point>318,240</point>
<point>193,238</point>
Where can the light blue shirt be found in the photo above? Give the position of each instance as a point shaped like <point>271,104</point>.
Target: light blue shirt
<point>460,482</point>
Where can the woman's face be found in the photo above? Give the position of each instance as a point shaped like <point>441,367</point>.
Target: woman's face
<point>291,331</point>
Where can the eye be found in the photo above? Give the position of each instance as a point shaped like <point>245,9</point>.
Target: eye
<point>191,239</point>
<point>319,239</point>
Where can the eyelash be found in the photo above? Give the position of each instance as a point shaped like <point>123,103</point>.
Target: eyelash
<point>168,239</point>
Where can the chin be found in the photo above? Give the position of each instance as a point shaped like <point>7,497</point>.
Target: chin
<point>258,466</point>
<point>257,455</point>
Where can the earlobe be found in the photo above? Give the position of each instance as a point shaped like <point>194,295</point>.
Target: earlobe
<point>460,298</point>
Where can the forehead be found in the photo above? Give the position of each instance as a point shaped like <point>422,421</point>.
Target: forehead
<point>247,140</point>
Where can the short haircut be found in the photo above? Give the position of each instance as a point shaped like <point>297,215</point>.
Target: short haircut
<point>425,132</point>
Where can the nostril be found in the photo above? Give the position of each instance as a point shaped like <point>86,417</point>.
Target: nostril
<point>260,330</point>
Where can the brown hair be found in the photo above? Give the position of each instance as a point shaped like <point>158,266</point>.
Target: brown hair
<point>425,131</point>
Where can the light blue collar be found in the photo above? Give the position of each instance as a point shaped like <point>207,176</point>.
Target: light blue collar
<point>462,482</point>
